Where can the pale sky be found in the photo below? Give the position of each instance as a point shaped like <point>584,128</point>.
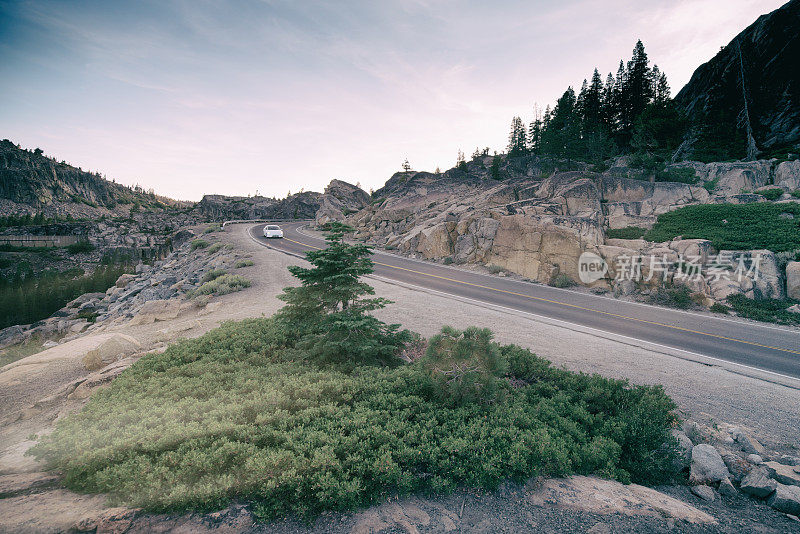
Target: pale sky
<point>193,97</point>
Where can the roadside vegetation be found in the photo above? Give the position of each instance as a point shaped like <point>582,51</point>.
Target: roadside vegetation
<point>760,225</point>
<point>313,410</point>
<point>767,310</point>
<point>221,284</point>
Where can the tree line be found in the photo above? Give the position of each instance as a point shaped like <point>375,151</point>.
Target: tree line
<point>630,112</point>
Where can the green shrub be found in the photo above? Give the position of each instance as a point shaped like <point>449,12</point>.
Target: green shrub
<point>629,232</point>
<point>465,366</point>
<point>448,260</point>
<point>561,280</point>
<point>216,227</point>
<point>772,194</point>
<point>199,243</point>
<point>796,193</point>
<point>494,269</point>
<point>222,285</point>
<point>233,415</point>
<point>711,184</point>
<point>719,308</point>
<point>767,310</point>
<point>678,296</point>
<point>243,263</point>
<point>757,225</point>
<point>213,274</point>
<point>216,247</point>
<point>80,247</point>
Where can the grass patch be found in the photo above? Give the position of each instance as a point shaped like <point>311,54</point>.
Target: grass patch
<point>213,275</point>
<point>629,232</point>
<point>767,310</point>
<point>216,247</point>
<point>222,285</point>
<point>240,414</point>
<point>733,226</point>
<point>199,243</point>
<point>22,350</point>
<point>216,227</point>
<point>243,263</point>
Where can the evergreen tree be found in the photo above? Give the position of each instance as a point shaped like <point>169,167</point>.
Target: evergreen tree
<point>406,166</point>
<point>517,139</point>
<point>328,311</point>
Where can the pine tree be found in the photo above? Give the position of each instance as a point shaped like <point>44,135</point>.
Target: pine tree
<point>329,309</point>
<point>517,139</point>
<point>638,87</point>
<point>406,166</point>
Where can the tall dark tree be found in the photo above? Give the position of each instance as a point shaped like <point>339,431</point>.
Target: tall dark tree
<point>517,138</point>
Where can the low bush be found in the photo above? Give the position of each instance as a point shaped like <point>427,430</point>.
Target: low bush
<point>561,280</point>
<point>448,260</point>
<point>759,225</point>
<point>222,285</point>
<point>494,269</point>
<point>772,194</point>
<point>678,296</point>
<point>243,263</point>
<point>213,274</point>
<point>235,415</point>
<point>199,243</point>
<point>216,227</point>
<point>216,247</point>
<point>719,308</point>
<point>767,310</point>
<point>681,175</point>
<point>796,193</point>
<point>711,184</point>
<point>629,232</point>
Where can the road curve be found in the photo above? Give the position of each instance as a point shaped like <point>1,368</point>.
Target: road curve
<point>771,349</point>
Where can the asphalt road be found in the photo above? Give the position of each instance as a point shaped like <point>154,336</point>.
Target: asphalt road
<point>761,347</point>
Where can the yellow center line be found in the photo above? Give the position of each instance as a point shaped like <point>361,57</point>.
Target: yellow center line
<point>575,306</point>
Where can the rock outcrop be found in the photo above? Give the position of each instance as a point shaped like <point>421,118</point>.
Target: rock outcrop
<point>339,200</point>
<point>769,51</point>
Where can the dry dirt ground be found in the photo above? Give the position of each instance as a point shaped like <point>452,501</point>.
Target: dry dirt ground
<point>32,399</point>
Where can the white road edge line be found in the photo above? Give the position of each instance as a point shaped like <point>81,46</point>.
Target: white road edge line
<point>695,357</point>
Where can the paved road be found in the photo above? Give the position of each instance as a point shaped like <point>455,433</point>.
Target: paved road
<point>762,347</point>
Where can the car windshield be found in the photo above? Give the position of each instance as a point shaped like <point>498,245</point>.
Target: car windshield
<point>272,227</point>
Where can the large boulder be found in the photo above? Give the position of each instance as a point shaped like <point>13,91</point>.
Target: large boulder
<point>707,465</point>
<point>786,499</point>
<point>793,280</point>
<point>757,483</point>
<point>339,200</point>
<point>787,175</point>
<point>110,350</point>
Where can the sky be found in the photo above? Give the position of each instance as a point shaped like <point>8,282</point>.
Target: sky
<point>193,97</point>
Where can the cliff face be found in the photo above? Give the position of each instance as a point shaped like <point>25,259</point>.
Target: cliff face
<point>770,55</point>
<point>31,182</point>
<point>297,206</point>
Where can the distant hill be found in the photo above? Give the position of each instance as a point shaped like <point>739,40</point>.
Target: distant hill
<point>31,182</point>
<point>770,62</point>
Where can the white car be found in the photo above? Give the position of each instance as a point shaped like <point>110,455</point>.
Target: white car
<point>272,230</point>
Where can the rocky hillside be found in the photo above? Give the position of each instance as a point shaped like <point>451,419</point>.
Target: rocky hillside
<point>339,198</point>
<point>31,182</point>
<point>770,48</point>
<point>538,220</point>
